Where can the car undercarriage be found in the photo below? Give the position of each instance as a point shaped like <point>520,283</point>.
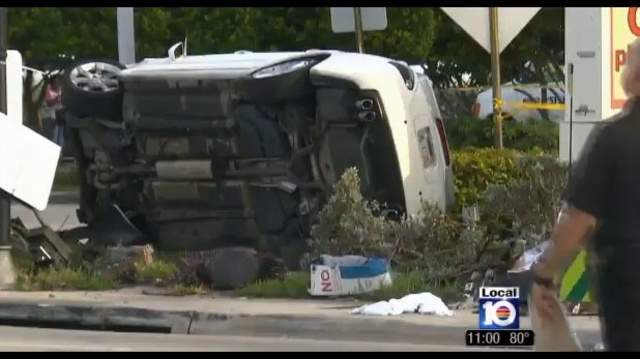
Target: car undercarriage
<point>196,163</point>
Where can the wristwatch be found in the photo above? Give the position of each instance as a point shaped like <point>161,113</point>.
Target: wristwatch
<point>542,280</point>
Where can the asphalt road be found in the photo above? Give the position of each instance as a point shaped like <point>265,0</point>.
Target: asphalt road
<point>33,339</point>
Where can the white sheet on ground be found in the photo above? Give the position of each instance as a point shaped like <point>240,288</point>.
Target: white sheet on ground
<point>422,303</point>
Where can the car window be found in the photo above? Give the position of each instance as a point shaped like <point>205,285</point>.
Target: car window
<point>429,96</point>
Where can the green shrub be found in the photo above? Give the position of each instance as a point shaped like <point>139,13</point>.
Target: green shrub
<point>476,168</point>
<point>527,207</point>
<point>518,196</point>
<point>432,242</point>
<point>518,135</point>
<point>348,223</point>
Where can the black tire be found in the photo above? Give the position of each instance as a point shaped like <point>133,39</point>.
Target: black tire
<point>87,103</point>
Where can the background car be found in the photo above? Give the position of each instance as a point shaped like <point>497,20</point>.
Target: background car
<point>524,102</point>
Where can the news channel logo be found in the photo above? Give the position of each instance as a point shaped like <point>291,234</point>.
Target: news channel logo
<point>499,308</point>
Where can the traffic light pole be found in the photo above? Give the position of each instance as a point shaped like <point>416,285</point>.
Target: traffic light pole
<point>357,19</point>
<point>7,273</point>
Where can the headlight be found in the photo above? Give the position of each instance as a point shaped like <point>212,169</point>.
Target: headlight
<point>285,67</point>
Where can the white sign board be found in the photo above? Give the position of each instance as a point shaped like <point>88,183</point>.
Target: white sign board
<point>475,21</point>
<point>373,18</point>
<point>29,163</point>
<point>14,86</point>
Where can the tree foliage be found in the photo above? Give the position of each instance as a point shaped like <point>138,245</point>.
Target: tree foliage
<point>455,55</point>
<point>414,34</point>
<point>44,33</point>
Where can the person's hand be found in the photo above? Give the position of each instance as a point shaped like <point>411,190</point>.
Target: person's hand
<point>543,292</point>
<point>545,302</point>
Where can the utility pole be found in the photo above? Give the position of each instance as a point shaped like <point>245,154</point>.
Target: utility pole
<point>357,17</point>
<point>495,75</point>
<point>126,36</point>
<point>7,273</point>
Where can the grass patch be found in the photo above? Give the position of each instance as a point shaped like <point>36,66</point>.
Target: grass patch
<point>415,282</point>
<point>157,271</point>
<point>63,279</point>
<point>295,285</point>
<point>66,178</point>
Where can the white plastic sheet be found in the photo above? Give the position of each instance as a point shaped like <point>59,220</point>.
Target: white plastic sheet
<point>529,258</point>
<point>422,303</point>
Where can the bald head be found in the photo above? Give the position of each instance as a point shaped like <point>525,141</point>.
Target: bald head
<point>631,72</point>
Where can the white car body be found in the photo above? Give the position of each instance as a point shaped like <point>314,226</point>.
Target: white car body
<point>409,111</point>
<point>524,103</point>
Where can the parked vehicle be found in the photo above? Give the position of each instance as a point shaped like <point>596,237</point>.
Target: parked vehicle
<point>524,102</point>
<point>242,149</point>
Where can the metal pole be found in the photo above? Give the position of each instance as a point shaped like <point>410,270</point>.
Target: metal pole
<point>5,202</point>
<point>570,119</point>
<point>495,75</point>
<point>7,273</point>
<point>126,36</point>
<point>357,18</point>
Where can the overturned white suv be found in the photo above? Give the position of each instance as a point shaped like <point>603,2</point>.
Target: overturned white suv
<point>242,149</point>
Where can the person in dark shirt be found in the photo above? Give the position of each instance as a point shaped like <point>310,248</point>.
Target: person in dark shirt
<point>603,207</point>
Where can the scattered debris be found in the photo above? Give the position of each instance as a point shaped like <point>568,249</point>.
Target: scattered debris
<point>422,303</point>
<point>348,275</point>
<point>18,233</point>
<point>48,248</point>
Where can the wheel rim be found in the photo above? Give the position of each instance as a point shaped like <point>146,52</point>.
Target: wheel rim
<point>97,77</point>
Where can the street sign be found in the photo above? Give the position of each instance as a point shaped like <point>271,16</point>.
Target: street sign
<point>475,21</point>
<point>373,18</point>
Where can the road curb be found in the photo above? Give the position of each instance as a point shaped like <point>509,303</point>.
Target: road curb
<point>94,317</point>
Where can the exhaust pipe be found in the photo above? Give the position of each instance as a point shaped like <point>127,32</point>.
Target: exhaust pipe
<point>366,116</point>
<point>365,104</point>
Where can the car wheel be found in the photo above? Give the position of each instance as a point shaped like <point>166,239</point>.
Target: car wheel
<point>91,88</point>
